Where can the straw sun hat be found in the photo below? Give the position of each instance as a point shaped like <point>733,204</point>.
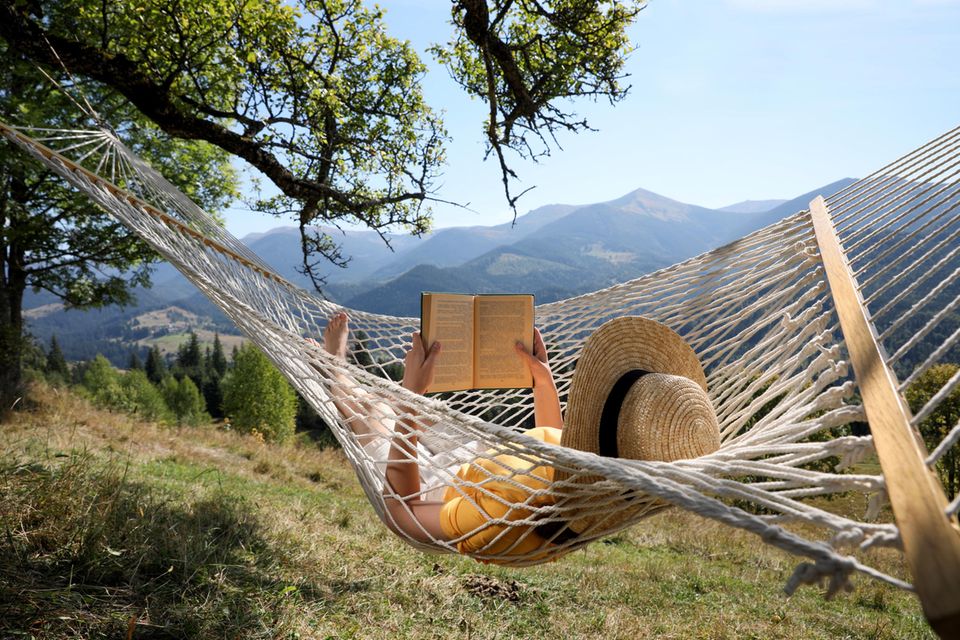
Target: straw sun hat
<point>638,392</point>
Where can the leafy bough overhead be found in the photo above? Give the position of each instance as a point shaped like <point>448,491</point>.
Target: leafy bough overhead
<point>318,98</point>
<point>528,58</point>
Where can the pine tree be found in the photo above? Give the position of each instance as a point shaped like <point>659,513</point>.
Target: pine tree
<point>134,363</point>
<point>257,396</point>
<point>212,377</point>
<point>212,391</point>
<point>56,365</point>
<point>190,360</point>
<point>218,361</point>
<point>156,366</point>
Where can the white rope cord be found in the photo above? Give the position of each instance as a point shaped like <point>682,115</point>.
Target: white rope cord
<point>756,311</point>
<point>903,211</point>
<point>882,216</point>
<point>846,197</point>
<point>951,438</point>
<point>925,207</point>
<point>954,507</point>
<point>925,290</point>
<point>907,259</point>
<point>928,297</point>
<point>925,257</point>
<point>910,240</point>
<point>849,203</point>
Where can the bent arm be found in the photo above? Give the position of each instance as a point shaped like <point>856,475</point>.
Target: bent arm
<point>546,404</point>
<point>546,399</point>
<point>409,514</point>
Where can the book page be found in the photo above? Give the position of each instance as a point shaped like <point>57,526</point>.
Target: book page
<point>448,318</point>
<point>502,321</point>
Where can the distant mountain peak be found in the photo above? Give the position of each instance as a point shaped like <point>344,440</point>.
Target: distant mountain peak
<point>643,196</point>
<point>648,203</point>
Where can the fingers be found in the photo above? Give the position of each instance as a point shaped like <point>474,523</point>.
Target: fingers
<point>416,342</point>
<point>522,351</point>
<point>539,349</point>
<point>431,358</point>
<point>415,355</point>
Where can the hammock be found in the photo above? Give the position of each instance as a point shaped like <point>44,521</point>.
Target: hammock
<point>758,312</point>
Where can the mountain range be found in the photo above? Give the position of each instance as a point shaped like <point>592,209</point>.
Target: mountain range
<point>554,252</point>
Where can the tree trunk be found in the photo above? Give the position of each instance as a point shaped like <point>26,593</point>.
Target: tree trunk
<point>11,347</point>
<point>13,283</point>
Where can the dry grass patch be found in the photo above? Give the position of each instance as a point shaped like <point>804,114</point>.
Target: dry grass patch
<point>204,533</point>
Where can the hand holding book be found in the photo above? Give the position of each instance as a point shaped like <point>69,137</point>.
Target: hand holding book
<point>419,365</point>
<point>479,334</point>
<point>537,360</point>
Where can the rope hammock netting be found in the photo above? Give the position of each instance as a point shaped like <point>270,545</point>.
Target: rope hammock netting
<point>758,312</point>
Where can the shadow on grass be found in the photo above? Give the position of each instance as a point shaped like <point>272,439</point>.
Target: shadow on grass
<point>85,552</point>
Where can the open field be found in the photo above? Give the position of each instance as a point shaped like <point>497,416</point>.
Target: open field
<point>169,343</point>
<point>111,528</point>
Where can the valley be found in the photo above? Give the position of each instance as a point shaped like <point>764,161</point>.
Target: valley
<point>555,252</point>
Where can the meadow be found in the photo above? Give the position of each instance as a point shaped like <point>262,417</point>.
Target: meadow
<point>115,528</point>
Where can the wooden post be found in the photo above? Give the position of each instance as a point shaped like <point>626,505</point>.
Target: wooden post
<point>931,541</point>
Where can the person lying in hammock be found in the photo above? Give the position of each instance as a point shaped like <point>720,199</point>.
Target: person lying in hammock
<point>641,366</point>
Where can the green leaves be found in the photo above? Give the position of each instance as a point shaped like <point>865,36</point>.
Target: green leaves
<point>184,400</point>
<point>528,59</point>
<point>256,396</point>
<point>315,95</point>
<point>941,420</point>
<point>319,98</point>
<point>66,244</point>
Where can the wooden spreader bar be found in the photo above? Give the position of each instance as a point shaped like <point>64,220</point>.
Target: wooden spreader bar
<point>931,540</point>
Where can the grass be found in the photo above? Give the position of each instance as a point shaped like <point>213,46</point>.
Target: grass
<point>170,342</point>
<point>110,528</point>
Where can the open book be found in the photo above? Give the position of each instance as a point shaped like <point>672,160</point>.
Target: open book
<point>478,334</point>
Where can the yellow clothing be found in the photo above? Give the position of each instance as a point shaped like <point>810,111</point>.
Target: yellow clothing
<point>460,517</point>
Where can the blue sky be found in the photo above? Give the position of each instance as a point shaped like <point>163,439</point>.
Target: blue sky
<point>731,100</point>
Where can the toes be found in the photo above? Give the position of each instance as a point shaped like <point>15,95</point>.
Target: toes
<point>337,320</point>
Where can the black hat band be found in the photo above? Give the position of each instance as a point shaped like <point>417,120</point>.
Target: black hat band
<point>610,417</point>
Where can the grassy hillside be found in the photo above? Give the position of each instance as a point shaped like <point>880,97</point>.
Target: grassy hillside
<point>112,528</point>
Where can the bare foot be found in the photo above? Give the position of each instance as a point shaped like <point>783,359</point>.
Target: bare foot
<point>336,333</point>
